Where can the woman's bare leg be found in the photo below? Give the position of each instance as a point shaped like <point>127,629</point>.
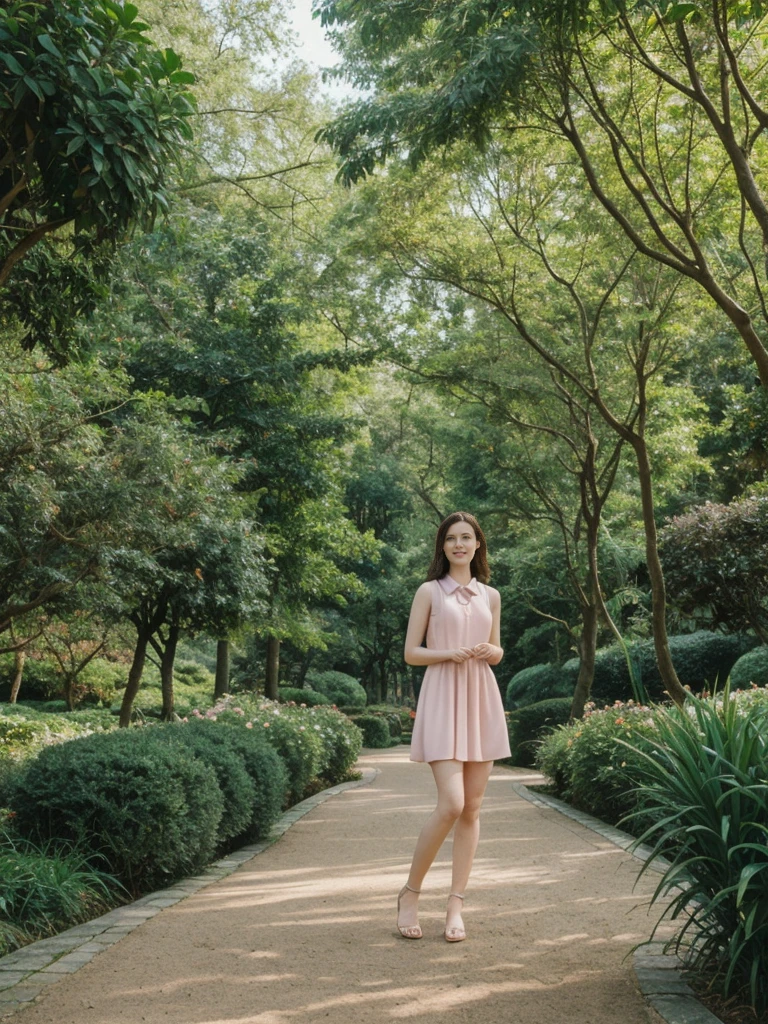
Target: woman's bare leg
<point>449,778</point>
<point>466,835</point>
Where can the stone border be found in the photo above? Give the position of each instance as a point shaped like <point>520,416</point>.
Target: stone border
<point>657,972</point>
<point>29,971</point>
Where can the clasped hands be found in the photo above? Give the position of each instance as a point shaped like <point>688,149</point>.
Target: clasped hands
<point>482,651</point>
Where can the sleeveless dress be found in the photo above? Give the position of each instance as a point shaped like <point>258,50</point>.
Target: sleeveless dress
<point>460,714</point>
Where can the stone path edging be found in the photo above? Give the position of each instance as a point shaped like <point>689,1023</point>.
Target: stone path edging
<point>27,972</point>
<point>657,972</point>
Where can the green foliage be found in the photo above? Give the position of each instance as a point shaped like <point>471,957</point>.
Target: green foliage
<point>527,725</point>
<point>148,810</point>
<point>701,660</point>
<point>299,696</point>
<point>716,563</point>
<point>751,667</point>
<point>341,740</point>
<point>540,682</point>
<point>46,889</point>
<point>208,743</point>
<point>340,688</point>
<point>375,731</point>
<point>588,764</point>
<point>704,781</point>
<point>93,115</point>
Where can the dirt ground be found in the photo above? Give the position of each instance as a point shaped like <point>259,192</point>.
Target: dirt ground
<point>305,932</point>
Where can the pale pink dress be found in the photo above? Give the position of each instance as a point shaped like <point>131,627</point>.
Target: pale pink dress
<point>460,715</point>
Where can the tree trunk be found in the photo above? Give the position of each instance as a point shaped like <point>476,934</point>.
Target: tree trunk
<point>19,657</point>
<point>134,677</point>
<point>658,590</point>
<point>221,686</point>
<point>273,668</point>
<point>587,648</point>
<point>166,673</point>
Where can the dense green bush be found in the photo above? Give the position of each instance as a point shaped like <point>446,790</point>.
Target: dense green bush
<point>339,687</point>
<point>292,734</point>
<point>541,682</point>
<point>590,766</point>
<point>47,889</point>
<point>701,660</point>
<point>312,698</point>
<point>148,809</point>
<point>209,743</point>
<point>341,741</point>
<point>751,667</point>
<point>528,724</point>
<point>375,730</point>
<point>706,784</point>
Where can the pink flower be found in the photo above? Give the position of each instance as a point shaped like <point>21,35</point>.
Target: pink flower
<point>238,711</point>
<point>249,725</point>
<point>266,725</point>
<point>302,705</point>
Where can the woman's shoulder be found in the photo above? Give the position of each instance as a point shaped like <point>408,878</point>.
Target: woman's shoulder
<point>493,595</point>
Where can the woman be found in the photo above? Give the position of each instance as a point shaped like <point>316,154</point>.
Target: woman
<point>460,727</point>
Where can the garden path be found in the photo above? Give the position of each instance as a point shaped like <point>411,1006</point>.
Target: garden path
<point>304,932</point>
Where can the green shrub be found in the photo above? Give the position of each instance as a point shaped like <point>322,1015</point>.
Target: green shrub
<point>309,697</point>
<point>289,731</point>
<point>341,741</point>
<point>46,890</point>
<point>701,660</point>
<point>375,730</point>
<point>265,772</point>
<point>339,687</point>
<point>148,809</point>
<point>527,724</point>
<point>589,765</point>
<point>707,785</point>
<point>234,781</point>
<point>751,667</point>
<point>541,682</point>
<point>40,680</point>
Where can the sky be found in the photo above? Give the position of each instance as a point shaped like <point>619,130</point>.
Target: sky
<point>314,48</point>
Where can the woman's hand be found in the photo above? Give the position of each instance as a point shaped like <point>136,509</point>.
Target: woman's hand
<point>486,652</point>
<point>461,654</point>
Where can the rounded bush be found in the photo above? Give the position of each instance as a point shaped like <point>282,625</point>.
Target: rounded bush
<point>146,808</point>
<point>202,738</point>
<point>541,682</point>
<point>527,724</point>
<point>341,740</point>
<point>751,667</point>
<point>309,697</point>
<point>340,688</point>
<point>297,743</point>
<point>375,730</point>
<point>263,765</point>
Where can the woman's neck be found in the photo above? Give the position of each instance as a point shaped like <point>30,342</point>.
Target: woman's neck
<point>462,574</point>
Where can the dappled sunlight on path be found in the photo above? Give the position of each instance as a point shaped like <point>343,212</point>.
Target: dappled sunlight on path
<point>305,932</point>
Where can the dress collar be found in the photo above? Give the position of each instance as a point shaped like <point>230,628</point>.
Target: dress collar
<point>449,585</point>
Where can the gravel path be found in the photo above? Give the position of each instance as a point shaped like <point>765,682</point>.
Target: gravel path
<point>305,932</point>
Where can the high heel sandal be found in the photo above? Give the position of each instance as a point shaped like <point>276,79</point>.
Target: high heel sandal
<point>411,931</point>
<point>455,934</point>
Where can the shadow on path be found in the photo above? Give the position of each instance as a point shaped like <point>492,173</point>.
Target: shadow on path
<point>305,932</point>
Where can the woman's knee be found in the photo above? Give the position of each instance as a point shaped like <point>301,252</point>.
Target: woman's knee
<point>450,808</point>
<point>470,812</point>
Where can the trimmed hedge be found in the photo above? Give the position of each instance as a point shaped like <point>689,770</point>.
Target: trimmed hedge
<point>527,724</point>
<point>750,668</point>
<point>702,660</point>
<point>375,731</point>
<point>311,698</point>
<point>340,688</point>
<point>541,682</point>
<point>145,808</point>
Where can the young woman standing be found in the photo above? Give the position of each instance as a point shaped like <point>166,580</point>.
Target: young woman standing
<point>460,727</point>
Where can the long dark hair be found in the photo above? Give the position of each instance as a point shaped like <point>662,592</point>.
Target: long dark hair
<point>440,565</point>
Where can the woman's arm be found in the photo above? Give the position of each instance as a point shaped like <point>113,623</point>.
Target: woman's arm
<point>415,654</point>
<point>492,652</point>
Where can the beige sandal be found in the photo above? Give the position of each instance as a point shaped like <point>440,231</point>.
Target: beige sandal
<point>455,934</point>
<point>412,931</point>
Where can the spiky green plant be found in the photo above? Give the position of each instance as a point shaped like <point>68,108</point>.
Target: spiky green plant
<point>706,783</point>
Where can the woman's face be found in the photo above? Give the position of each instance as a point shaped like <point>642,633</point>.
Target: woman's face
<point>460,544</point>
